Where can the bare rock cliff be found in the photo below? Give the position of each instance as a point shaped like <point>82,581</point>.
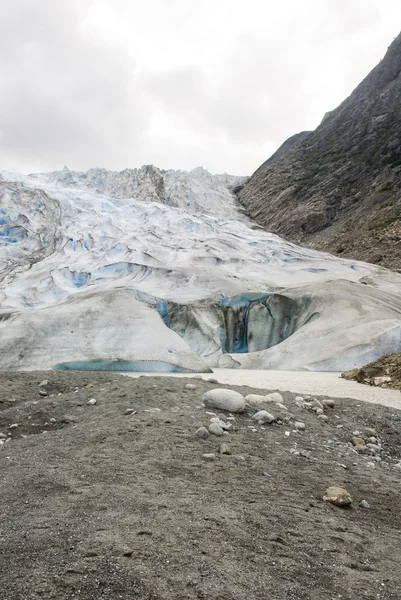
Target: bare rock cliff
<point>338,188</point>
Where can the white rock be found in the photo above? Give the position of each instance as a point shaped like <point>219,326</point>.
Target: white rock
<point>274,397</point>
<point>263,417</point>
<point>210,456</point>
<point>224,399</point>
<point>2,436</point>
<point>215,429</point>
<point>13,426</point>
<point>299,425</point>
<point>92,401</point>
<point>190,386</point>
<point>254,399</point>
<point>43,383</point>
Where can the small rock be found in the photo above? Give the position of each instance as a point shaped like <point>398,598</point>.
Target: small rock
<point>209,456</point>
<point>263,417</point>
<point>224,399</point>
<point>299,425</point>
<point>215,429</point>
<point>319,411</point>
<point>126,551</point>
<point>274,397</point>
<point>323,417</point>
<point>328,402</point>
<point>305,453</point>
<point>225,449</point>
<point>317,403</point>
<point>370,431</point>
<point>226,426</point>
<point>52,420</point>
<point>190,386</point>
<point>337,496</point>
<point>212,380</point>
<point>357,441</point>
<point>13,426</point>
<point>42,393</point>
<point>281,406</point>
<point>364,504</point>
<point>130,411</point>
<point>92,401</point>
<point>299,399</point>
<point>381,380</point>
<point>372,440</point>
<point>202,433</point>
<point>2,436</point>
<point>255,399</point>
<point>89,385</point>
<point>44,383</point>
<point>374,447</point>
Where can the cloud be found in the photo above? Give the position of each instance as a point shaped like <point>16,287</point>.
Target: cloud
<point>65,97</point>
<point>118,84</point>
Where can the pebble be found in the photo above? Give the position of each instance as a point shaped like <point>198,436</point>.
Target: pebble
<point>202,433</point>
<point>42,393</point>
<point>209,456</point>
<point>329,402</point>
<point>212,380</point>
<point>225,449</point>
<point>13,426</point>
<point>215,429</point>
<point>374,447</point>
<point>92,401</point>
<point>299,399</point>
<point>224,399</point>
<point>357,441</point>
<point>370,431</point>
<point>337,496</point>
<point>274,397</point>
<point>364,504</point>
<point>255,399</point>
<point>52,420</point>
<point>317,403</point>
<point>190,386</point>
<point>43,383</point>
<point>319,411</point>
<point>281,406</point>
<point>129,411</point>
<point>299,425</point>
<point>323,417</point>
<point>2,436</point>
<point>372,440</point>
<point>263,417</point>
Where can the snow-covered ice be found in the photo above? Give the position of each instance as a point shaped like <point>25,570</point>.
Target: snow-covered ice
<point>162,270</point>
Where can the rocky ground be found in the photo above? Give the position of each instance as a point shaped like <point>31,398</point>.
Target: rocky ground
<point>109,493</point>
<point>385,372</point>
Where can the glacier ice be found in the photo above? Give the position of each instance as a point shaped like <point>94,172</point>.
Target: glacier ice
<point>147,269</point>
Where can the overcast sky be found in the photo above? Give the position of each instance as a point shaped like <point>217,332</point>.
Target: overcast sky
<point>176,83</point>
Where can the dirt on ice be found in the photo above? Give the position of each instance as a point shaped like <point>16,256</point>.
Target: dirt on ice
<point>102,503</point>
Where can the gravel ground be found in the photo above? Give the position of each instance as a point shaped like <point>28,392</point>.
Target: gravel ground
<point>97,504</point>
<point>302,382</point>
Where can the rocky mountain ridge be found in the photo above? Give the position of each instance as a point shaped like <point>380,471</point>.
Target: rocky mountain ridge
<point>338,188</point>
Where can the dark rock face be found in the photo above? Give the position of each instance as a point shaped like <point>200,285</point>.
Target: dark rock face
<point>339,187</point>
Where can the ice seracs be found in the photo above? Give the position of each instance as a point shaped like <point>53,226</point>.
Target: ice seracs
<point>160,270</point>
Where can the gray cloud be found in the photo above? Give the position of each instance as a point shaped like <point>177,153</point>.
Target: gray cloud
<point>226,97</point>
<point>64,97</point>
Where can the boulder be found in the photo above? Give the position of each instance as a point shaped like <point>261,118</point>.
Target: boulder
<point>224,399</point>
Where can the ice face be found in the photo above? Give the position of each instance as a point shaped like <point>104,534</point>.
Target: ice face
<point>173,253</point>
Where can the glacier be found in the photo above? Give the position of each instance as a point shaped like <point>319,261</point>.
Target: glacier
<point>153,270</point>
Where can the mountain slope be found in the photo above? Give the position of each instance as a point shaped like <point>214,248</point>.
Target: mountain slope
<point>338,189</point>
